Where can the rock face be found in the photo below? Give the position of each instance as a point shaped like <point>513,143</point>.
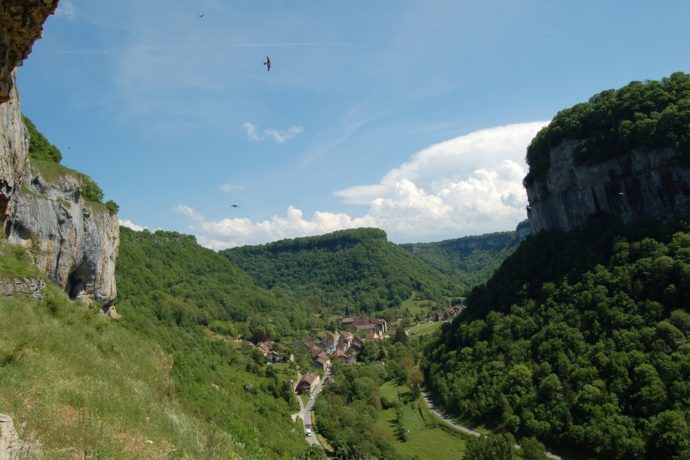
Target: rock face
<point>649,184</point>
<point>76,242</point>
<point>11,447</point>
<point>14,148</point>
<point>21,23</point>
<point>32,287</point>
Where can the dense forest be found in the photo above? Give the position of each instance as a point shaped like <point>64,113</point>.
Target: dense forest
<point>580,339</point>
<point>641,115</point>
<point>344,271</point>
<point>471,259</point>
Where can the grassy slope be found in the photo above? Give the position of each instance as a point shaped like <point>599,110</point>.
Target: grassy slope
<point>81,384</point>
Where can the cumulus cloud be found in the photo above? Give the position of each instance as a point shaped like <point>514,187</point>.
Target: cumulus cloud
<point>129,224</point>
<point>254,134</point>
<point>229,232</point>
<point>468,185</point>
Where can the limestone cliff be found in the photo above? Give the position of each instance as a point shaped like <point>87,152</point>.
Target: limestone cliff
<point>77,240</point>
<point>642,184</point>
<point>14,150</point>
<point>21,23</point>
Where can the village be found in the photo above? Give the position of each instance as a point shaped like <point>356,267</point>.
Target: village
<point>342,345</point>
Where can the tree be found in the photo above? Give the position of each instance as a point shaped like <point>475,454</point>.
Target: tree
<point>415,378</point>
<point>532,449</point>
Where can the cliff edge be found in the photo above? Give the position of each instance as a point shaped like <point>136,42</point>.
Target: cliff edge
<point>624,152</point>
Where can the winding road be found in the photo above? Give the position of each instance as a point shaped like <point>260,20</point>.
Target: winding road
<point>464,429</point>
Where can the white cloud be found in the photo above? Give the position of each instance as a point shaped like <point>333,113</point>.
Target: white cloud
<point>282,136</point>
<point>467,185</point>
<point>252,131</point>
<point>129,224</point>
<point>229,232</point>
<point>232,188</point>
<point>278,136</point>
<point>471,184</point>
<point>189,212</point>
<point>67,10</point>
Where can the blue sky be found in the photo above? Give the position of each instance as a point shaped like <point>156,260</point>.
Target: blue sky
<point>411,116</point>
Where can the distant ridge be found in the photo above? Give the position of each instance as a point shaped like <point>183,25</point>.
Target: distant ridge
<point>350,269</point>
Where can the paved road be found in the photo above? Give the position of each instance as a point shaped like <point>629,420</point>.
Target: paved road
<point>305,413</point>
<point>464,429</point>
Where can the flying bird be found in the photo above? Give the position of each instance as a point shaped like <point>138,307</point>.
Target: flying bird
<point>234,205</point>
<point>267,64</point>
<point>202,15</point>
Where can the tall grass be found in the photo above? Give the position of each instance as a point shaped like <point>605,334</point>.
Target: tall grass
<point>84,386</point>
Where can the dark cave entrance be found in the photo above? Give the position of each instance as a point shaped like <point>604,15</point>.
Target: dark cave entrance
<point>77,281</point>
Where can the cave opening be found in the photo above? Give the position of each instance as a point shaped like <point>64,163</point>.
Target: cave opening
<point>77,281</point>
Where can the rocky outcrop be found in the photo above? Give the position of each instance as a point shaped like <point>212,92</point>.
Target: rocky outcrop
<point>641,184</point>
<point>32,287</point>
<point>11,447</point>
<point>77,240</point>
<point>21,23</point>
<point>14,150</point>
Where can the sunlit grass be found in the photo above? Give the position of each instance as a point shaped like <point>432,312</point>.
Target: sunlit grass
<point>83,386</point>
<point>426,438</point>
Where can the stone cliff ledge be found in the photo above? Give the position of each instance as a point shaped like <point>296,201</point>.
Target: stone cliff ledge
<point>643,184</point>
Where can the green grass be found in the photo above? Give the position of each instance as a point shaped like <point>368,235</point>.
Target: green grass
<point>427,438</point>
<point>425,328</point>
<point>15,262</point>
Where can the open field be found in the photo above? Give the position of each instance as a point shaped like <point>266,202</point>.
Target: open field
<point>427,438</point>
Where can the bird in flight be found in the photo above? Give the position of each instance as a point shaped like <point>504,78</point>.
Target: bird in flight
<point>202,15</point>
<point>234,205</point>
<point>267,64</point>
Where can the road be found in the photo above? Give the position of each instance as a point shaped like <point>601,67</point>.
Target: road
<point>305,413</point>
<point>464,429</point>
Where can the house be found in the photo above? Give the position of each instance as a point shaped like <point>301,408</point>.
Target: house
<point>374,336</point>
<point>315,351</point>
<point>264,347</point>
<point>308,383</point>
<point>328,343</point>
<point>364,324</point>
<point>343,357</point>
<point>357,344</point>
<point>322,361</point>
<point>346,337</point>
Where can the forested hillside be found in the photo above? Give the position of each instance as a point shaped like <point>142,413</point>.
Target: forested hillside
<point>193,302</point>
<point>344,271</point>
<point>580,339</point>
<point>471,259</point>
<point>641,115</point>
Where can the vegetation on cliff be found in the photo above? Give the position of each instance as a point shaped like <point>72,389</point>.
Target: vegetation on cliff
<point>46,158</point>
<point>591,353</point>
<point>344,271</point>
<point>641,115</point>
